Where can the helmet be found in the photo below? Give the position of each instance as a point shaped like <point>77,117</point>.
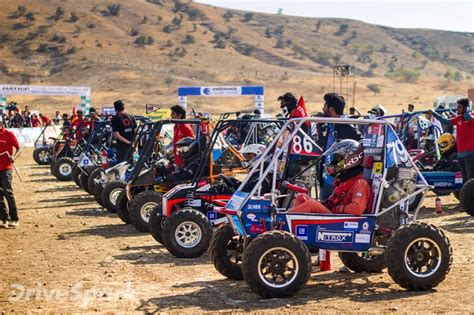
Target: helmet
<point>187,147</point>
<point>254,149</point>
<point>446,142</point>
<point>342,156</point>
<point>378,110</point>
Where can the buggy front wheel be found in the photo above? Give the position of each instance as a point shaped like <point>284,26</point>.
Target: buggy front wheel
<point>140,209</point>
<point>42,156</point>
<point>63,168</point>
<point>466,197</point>
<point>418,256</point>
<point>187,233</point>
<point>276,264</point>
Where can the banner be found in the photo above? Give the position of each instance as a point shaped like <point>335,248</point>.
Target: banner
<point>45,90</point>
<point>27,136</point>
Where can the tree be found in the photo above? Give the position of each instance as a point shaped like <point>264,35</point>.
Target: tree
<point>318,26</point>
<point>457,76</point>
<point>168,81</point>
<point>280,11</point>
<point>342,29</point>
<point>59,13</point>
<point>374,88</point>
<point>247,17</point>
<point>133,32</point>
<point>228,15</point>
<point>30,16</point>
<point>189,39</point>
<point>448,75</point>
<point>73,18</point>
<point>268,33</point>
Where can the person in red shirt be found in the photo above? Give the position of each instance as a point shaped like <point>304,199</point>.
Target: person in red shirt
<point>44,120</point>
<point>180,131</point>
<point>78,124</point>
<point>352,192</point>
<point>35,122</point>
<point>464,123</point>
<point>8,142</point>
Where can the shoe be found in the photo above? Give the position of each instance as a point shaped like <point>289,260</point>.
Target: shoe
<point>5,224</point>
<point>14,224</point>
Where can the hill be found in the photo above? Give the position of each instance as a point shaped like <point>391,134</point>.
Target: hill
<point>141,50</point>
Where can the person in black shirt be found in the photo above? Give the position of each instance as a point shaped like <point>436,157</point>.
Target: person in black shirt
<point>123,126</point>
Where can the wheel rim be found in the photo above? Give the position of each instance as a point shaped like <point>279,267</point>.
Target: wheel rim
<point>65,169</point>
<point>423,257</point>
<point>188,234</point>
<point>278,267</point>
<point>43,156</point>
<point>146,209</point>
<point>114,194</point>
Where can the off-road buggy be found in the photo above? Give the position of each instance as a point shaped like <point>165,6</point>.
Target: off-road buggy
<point>113,176</point>
<point>269,247</point>
<point>44,144</point>
<point>183,220</point>
<point>152,175</point>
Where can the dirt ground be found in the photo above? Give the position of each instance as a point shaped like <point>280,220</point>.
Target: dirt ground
<point>69,255</point>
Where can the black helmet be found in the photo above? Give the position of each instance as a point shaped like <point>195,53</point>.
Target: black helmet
<point>342,156</point>
<point>187,147</point>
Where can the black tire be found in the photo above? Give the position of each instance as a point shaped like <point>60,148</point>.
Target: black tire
<point>457,194</point>
<point>358,263</point>
<point>180,221</point>
<point>84,179</point>
<point>140,209</point>
<point>280,243</point>
<point>156,224</point>
<point>52,167</point>
<point>42,156</point>
<point>76,172</point>
<point>414,203</point>
<point>226,250</point>
<point>95,174</point>
<point>122,207</point>
<point>98,194</point>
<point>110,195</point>
<point>466,197</point>
<point>63,168</point>
<point>406,250</point>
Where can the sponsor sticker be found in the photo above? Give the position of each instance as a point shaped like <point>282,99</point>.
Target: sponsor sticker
<point>252,217</point>
<point>362,238</point>
<point>351,225</point>
<point>302,232</point>
<point>334,237</point>
<point>212,215</point>
<point>378,167</point>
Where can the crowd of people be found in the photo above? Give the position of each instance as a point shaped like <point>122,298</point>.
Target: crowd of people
<point>14,117</point>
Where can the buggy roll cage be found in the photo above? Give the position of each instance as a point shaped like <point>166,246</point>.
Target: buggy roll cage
<point>153,138</point>
<point>268,161</point>
<point>217,135</point>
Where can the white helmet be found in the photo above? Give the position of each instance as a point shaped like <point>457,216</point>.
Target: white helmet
<point>255,149</point>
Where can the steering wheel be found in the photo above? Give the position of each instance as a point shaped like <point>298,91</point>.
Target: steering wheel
<point>230,183</point>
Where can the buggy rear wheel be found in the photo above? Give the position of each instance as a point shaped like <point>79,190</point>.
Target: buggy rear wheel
<point>226,252</point>
<point>110,194</point>
<point>362,262</point>
<point>187,233</point>
<point>418,256</point>
<point>42,156</point>
<point>63,168</point>
<point>122,207</point>
<point>466,196</point>
<point>276,264</point>
<point>156,224</point>
<point>141,207</point>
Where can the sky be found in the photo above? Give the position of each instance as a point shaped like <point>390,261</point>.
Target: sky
<point>455,15</point>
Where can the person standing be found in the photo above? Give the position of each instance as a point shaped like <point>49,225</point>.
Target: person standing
<point>334,105</point>
<point>57,118</point>
<point>8,142</point>
<point>123,127</point>
<point>464,124</point>
<point>181,131</point>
